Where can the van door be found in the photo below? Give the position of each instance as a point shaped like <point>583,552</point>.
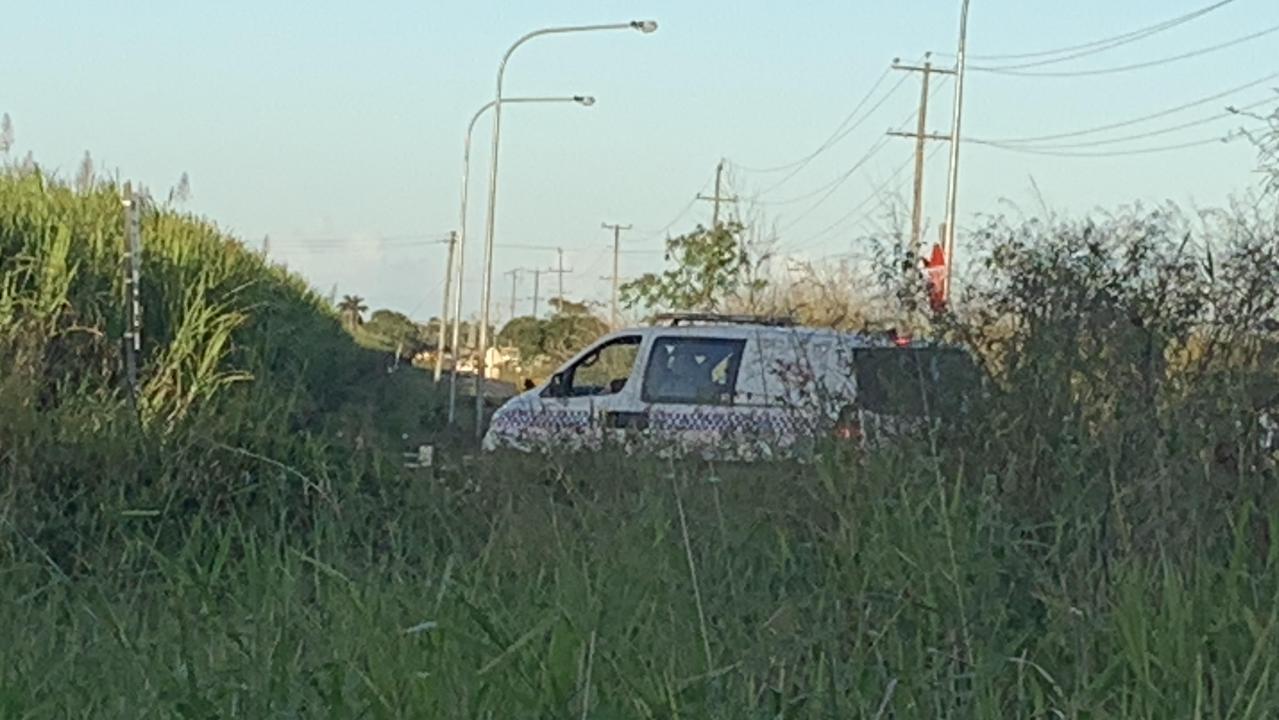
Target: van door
<point>588,394</point>
<point>689,390</point>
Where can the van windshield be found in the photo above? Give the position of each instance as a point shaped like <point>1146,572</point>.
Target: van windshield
<point>914,381</point>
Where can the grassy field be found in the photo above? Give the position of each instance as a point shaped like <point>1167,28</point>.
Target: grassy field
<point>1096,543</point>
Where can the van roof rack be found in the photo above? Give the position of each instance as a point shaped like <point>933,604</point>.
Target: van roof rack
<point>687,318</point>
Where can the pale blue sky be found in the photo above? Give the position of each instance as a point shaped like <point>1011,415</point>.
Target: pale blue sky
<point>336,127</point>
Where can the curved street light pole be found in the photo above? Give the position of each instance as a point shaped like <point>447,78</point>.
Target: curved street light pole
<point>455,272</point>
<point>952,183</point>
<point>486,286</point>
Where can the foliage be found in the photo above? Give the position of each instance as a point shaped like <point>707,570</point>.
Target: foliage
<point>552,339</point>
<point>564,306</point>
<point>391,331</point>
<point>1268,150</point>
<point>352,309</point>
<point>1097,540</point>
<point>708,267</point>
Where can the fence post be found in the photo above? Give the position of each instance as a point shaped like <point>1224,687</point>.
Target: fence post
<point>132,266</point>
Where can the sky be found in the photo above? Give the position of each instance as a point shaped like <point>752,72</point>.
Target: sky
<point>336,128</point>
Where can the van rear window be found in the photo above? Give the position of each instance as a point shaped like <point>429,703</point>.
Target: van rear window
<point>914,381</point>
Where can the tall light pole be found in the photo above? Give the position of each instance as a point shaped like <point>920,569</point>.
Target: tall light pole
<point>644,26</point>
<point>584,101</point>
<point>952,183</point>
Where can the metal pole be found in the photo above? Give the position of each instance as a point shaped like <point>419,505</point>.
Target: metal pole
<point>444,308</point>
<point>486,287</point>
<point>584,100</point>
<point>952,184</point>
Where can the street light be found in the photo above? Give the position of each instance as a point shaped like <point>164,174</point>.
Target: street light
<point>952,181</point>
<point>486,288</point>
<point>456,299</point>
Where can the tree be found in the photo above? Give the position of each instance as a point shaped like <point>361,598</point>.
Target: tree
<point>84,177</point>
<point>564,306</point>
<point>1268,149</point>
<point>1266,139</point>
<point>709,266</point>
<point>395,332</point>
<point>352,308</point>
<point>6,134</point>
<point>554,338</point>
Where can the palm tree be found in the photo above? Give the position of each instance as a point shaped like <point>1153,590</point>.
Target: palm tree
<point>351,308</point>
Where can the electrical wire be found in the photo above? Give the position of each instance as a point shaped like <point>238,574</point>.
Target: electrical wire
<point>1109,42</point>
<point>838,137</point>
<point>1139,120</point>
<point>826,144</point>
<point>680,215</point>
<point>1149,134</point>
<point>1134,66</point>
<point>839,179</point>
<point>1113,153</point>
<point>876,192</point>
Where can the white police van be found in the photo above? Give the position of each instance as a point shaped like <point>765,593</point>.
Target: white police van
<point>731,387</point>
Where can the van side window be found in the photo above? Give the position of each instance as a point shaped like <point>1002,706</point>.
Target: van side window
<point>603,371</point>
<point>692,370</point>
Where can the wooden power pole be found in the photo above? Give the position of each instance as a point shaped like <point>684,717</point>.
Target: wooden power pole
<point>537,287</point>
<point>515,281</point>
<point>921,136</point>
<point>560,271</point>
<point>718,197</point>
<point>617,251</point>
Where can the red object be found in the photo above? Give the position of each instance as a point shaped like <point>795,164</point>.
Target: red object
<point>849,426</point>
<point>935,278</point>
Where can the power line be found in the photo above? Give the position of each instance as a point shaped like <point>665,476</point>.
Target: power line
<point>847,174</point>
<point>1143,118</point>
<point>840,135</point>
<point>1144,135</point>
<point>1107,154</point>
<point>833,136</point>
<point>1134,66</point>
<point>1112,41</point>
<point>683,211</point>
<point>842,177</point>
<point>421,238</point>
<point>876,192</point>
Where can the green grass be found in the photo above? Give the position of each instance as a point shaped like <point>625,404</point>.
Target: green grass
<point>828,592</point>
<point>249,544</point>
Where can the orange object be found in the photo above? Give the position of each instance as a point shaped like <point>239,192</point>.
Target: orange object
<point>935,278</point>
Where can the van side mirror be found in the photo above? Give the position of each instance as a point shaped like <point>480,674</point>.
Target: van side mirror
<point>529,384</point>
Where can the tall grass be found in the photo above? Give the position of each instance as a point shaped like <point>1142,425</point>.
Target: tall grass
<point>1096,540</point>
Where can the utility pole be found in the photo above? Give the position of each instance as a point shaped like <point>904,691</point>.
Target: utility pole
<point>515,281</point>
<point>537,288</point>
<point>952,184</point>
<point>718,197</point>
<point>617,251</point>
<point>132,289</point>
<point>560,270</point>
<point>444,308</point>
<point>921,136</point>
